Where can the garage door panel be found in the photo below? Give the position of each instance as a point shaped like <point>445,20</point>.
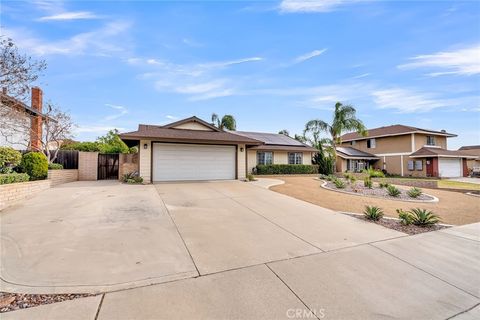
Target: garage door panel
<point>450,168</point>
<point>174,162</point>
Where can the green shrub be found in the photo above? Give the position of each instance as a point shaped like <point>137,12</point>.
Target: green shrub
<point>383,184</point>
<point>35,164</point>
<point>372,173</point>
<point>423,217</point>
<point>82,146</point>
<point>250,177</point>
<point>405,217</point>
<point>393,191</point>
<point>367,182</point>
<point>340,184</point>
<point>132,177</point>
<point>9,159</point>
<point>347,175</point>
<point>353,179</point>
<point>287,169</point>
<point>55,166</point>
<point>373,213</point>
<point>414,192</point>
<point>13,177</point>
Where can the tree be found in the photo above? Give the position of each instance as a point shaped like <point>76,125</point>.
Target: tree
<point>344,119</point>
<point>300,138</point>
<point>57,127</point>
<point>284,132</point>
<point>226,122</point>
<point>111,143</point>
<point>17,71</point>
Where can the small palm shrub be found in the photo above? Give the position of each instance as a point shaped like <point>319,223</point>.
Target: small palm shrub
<point>367,182</point>
<point>405,217</point>
<point>132,178</point>
<point>423,217</point>
<point>340,184</point>
<point>373,213</point>
<point>414,192</point>
<point>393,191</point>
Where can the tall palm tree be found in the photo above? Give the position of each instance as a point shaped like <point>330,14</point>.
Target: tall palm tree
<point>344,119</point>
<point>226,122</point>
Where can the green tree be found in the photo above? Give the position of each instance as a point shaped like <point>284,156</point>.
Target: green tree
<point>284,132</point>
<point>111,143</point>
<point>226,122</point>
<point>344,120</point>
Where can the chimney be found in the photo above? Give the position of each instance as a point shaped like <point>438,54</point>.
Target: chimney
<point>36,124</point>
<point>4,90</point>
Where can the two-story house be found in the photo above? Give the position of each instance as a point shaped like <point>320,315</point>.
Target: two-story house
<point>402,150</point>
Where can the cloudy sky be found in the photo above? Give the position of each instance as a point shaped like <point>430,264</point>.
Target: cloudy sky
<point>273,64</point>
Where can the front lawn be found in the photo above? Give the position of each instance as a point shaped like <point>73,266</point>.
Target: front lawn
<point>450,184</point>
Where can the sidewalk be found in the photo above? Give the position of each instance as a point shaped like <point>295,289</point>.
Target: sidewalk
<point>433,275</point>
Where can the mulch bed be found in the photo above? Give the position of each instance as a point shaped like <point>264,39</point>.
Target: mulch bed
<point>15,301</point>
<point>359,189</point>
<point>396,225</point>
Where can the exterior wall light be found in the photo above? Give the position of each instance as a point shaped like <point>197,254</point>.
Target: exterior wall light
<point>241,149</point>
<point>145,146</point>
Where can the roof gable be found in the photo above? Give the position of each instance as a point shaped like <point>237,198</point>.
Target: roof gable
<point>192,123</point>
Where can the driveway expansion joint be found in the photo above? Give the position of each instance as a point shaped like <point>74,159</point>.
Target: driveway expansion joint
<point>464,311</point>
<point>99,306</point>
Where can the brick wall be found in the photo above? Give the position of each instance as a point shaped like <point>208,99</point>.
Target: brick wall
<point>87,166</point>
<point>127,163</point>
<point>11,193</point>
<point>62,176</point>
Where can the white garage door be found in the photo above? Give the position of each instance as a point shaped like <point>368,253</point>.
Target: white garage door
<point>450,168</point>
<point>173,161</point>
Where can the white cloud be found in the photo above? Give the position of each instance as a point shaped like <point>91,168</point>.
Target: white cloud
<point>309,55</point>
<point>169,117</point>
<point>289,6</point>
<point>104,41</point>
<point>363,75</point>
<point>407,101</point>
<point>464,61</point>
<point>121,111</point>
<point>72,15</point>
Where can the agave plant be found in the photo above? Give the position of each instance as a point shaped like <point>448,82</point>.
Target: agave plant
<point>393,191</point>
<point>423,217</point>
<point>339,183</point>
<point>414,192</point>
<point>373,213</point>
<point>405,217</point>
<point>367,182</point>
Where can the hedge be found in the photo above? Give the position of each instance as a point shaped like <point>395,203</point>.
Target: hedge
<point>287,169</point>
<point>55,166</point>
<point>13,177</point>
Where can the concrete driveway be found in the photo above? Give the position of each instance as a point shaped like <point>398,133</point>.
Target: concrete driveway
<point>222,250</point>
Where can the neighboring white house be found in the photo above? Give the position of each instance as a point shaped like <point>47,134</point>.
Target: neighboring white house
<point>21,125</point>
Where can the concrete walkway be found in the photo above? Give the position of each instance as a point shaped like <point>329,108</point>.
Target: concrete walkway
<point>428,276</point>
<point>227,250</point>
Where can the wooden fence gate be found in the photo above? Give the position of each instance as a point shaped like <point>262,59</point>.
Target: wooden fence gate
<point>108,166</point>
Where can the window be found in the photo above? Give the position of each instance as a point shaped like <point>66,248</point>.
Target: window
<point>264,157</point>
<point>352,143</point>
<point>411,165</point>
<point>371,143</point>
<point>430,140</point>
<point>295,158</point>
<point>419,165</point>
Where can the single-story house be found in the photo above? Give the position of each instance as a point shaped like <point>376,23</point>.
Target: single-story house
<point>193,149</point>
<point>473,165</point>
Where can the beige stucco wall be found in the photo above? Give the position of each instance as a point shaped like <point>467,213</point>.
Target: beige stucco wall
<point>393,164</point>
<point>193,126</point>
<point>241,162</point>
<point>279,157</point>
<point>414,173</point>
<point>341,164</point>
<point>393,144</point>
<point>87,166</point>
<point>421,140</point>
<point>251,160</point>
<point>145,160</point>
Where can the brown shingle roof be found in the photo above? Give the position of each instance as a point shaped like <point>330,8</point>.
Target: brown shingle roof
<point>153,132</point>
<point>439,152</point>
<point>396,129</point>
<point>269,147</point>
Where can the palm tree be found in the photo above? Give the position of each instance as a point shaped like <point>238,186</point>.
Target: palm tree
<point>284,132</point>
<point>344,119</point>
<point>226,122</point>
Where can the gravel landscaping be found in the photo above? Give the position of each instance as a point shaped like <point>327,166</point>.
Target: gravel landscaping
<point>358,188</point>
<point>15,301</point>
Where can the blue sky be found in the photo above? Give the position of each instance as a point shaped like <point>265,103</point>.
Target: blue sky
<point>273,64</point>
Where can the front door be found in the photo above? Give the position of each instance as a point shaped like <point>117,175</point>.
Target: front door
<point>429,167</point>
